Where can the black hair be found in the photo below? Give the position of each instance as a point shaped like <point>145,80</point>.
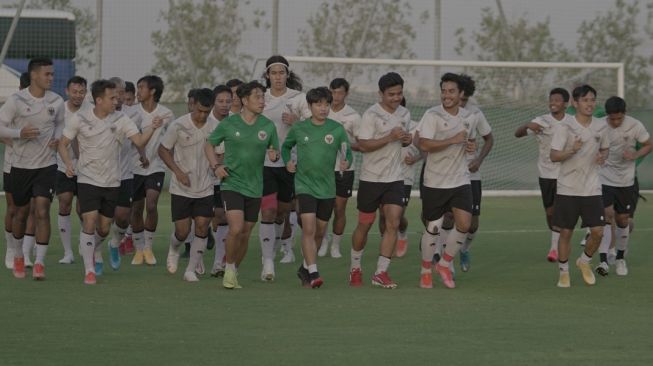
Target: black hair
<point>245,90</point>
<point>468,85</point>
<point>191,93</point>
<point>451,77</point>
<point>615,105</point>
<point>339,83</point>
<point>24,80</point>
<point>403,102</point>
<point>233,82</point>
<point>76,80</point>
<point>37,62</point>
<point>204,97</point>
<point>129,87</point>
<point>389,80</point>
<point>221,89</point>
<point>293,81</point>
<point>319,94</point>
<point>581,91</point>
<point>561,91</point>
<point>153,82</point>
<point>99,87</point>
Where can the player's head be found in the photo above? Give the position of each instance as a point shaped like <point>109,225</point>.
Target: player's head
<point>339,88</point>
<point>468,86</point>
<point>149,87</point>
<point>24,80</point>
<point>76,90</point>
<point>223,100</point>
<point>451,90</point>
<point>615,108</point>
<point>190,99</point>
<point>41,72</point>
<point>391,90</point>
<point>203,100</point>
<point>319,101</point>
<point>130,93</point>
<point>252,96</point>
<point>558,99</point>
<point>120,90</point>
<point>584,100</point>
<point>104,95</point>
<point>233,85</point>
<point>278,75</point>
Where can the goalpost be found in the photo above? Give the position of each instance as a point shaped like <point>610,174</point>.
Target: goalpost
<point>509,94</point>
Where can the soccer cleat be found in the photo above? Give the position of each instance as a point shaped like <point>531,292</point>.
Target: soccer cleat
<point>383,280</point>
<point>9,258</point>
<point>210,243</point>
<point>603,269</point>
<point>114,258</point>
<point>148,255</point>
<point>288,256</point>
<point>67,259</point>
<point>38,272</point>
<point>426,280</point>
<point>303,275</point>
<point>129,244</point>
<point>563,280</point>
<point>445,275</point>
<point>612,256</point>
<point>356,277</point>
<point>190,277</point>
<point>402,247</point>
<point>335,251</point>
<point>230,280</point>
<point>586,270</point>
<point>99,268</point>
<point>552,256</point>
<point>267,274</point>
<point>316,280</point>
<point>19,267</point>
<point>621,267</point>
<point>172,261</point>
<point>89,279</point>
<point>28,262</point>
<point>465,261</point>
<point>138,258</point>
<point>200,268</point>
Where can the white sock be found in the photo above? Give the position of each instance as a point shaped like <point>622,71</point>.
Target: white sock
<point>139,240</point>
<point>231,267</point>
<point>555,237</point>
<point>622,235</point>
<point>604,247</point>
<point>191,233</point>
<point>64,224</point>
<point>197,249</point>
<point>17,246</point>
<point>428,249</point>
<point>9,240</point>
<point>382,264</point>
<point>149,239</point>
<point>312,268</point>
<point>86,251</point>
<point>356,257</point>
<point>584,258</point>
<point>220,243</point>
<point>468,241</point>
<point>454,243</point>
<point>402,235</point>
<point>287,244</point>
<point>41,250</point>
<point>292,219</point>
<point>99,241</point>
<point>267,237</point>
<point>278,233</point>
<point>129,231</point>
<point>174,242</point>
<point>29,241</point>
<point>117,233</point>
<point>564,267</point>
<point>335,240</point>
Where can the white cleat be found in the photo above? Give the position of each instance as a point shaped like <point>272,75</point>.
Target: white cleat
<point>200,268</point>
<point>190,277</point>
<point>173,259</point>
<point>288,256</point>
<point>621,267</point>
<point>267,274</point>
<point>335,251</point>
<point>67,259</point>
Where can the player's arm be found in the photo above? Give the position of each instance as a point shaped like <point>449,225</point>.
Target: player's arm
<point>142,138</point>
<point>215,139</point>
<point>67,136</point>
<point>523,130</point>
<point>644,149</point>
<point>7,114</point>
<point>168,159</point>
<point>369,145</point>
<point>475,164</point>
<point>273,145</point>
<point>286,149</point>
<point>431,145</point>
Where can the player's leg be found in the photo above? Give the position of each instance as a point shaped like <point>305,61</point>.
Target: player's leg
<point>202,213</point>
<point>434,206</point>
<point>288,237</point>
<point>152,193</point>
<point>307,209</point>
<point>566,211</point>
<point>180,210</point>
<point>42,192</point>
<point>592,212</point>
<point>624,208</point>
<point>9,217</point>
<point>465,255</point>
<point>65,188</point>
<point>120,222</point>
<point>604,247</point>
<point>344,188</point>
<point>107,209</point>
<point>137,222</point>
<point>548,189</point>
<point>220,234</point>
<point>29,240</point>
<point>368,201</point>
<point>402,236</point>
<point>267,229</point>
<point>392,213</point>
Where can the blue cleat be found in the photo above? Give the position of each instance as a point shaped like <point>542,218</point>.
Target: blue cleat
<point>465,261</point>
<point>99,268</point>
<point>114,256</point>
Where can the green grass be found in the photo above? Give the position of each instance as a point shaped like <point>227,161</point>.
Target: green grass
<point>505,311</point>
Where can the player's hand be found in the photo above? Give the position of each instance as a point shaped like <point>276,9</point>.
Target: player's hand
<point>145,163</point>
<point>537,129</point>
<point>578,144</point>
<point>221,171</point>
<point>70,171</point>
<point>53,144</point>
<point>183,178</point>
<point>289,118</point>
<point>157,122</point>
<point>29,132</point>
<point>600,159</point>
<point>470,146</point>
<point>474,165</point>
<point>629,155</point>
<point>459,138</point>
<point>272,154</point>
<point>291,166</point>
<point>397,133</point>
<point>410,159</point>
<point>406,139</point>
<point>344,164</point>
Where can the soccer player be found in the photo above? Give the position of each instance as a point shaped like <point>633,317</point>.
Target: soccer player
<point>284,105</point>
<point>249,139</point>
<point>66,187</point>
<point>130,94</point>
<point>148,175</point>
<point>350,119</point>
<point>580,145</point>
<point>191,186</point>
<point>319,141</point>
<point>33,119</point>
<point>381,135</point>
<point>542,128</point>
<point>617,176</point>
<point>236,106</point>
<point>99,131</point>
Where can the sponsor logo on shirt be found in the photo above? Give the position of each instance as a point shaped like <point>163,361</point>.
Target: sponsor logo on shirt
<point>328,139</point>
<point>262,135</point>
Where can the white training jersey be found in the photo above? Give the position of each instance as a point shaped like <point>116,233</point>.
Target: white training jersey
<point>579,174</point>
<point>350,120</point>
<point>292,101</point>
<point>68,114</point>
<point>99,143</point>
<point>187,141</point>
<point>127,148</point>
<point>617,171</point>
<point>482,128</point>
<point>152,147</point>
<point>547,168</point>
<point>218,149</point>
<point>447,168</point>
<point>384,164</point>
<point>409,171</point>
<point>47,114</point>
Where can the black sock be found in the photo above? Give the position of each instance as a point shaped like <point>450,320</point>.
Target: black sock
<point>604,257</point>
<point>620,254</point>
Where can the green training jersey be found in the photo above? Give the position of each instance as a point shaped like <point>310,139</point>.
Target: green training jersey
<point>245,147</point>
<point>317,151</point>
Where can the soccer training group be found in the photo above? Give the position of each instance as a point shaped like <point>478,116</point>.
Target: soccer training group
<point>247,152</point>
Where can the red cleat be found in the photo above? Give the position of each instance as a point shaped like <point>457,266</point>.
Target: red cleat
<point>316,282</point>
<point>89,279</point>
<point>445,275</point>
<point>383,280</point>
<point>38,272</point>
<point>552,256</point>
<point>129,244</point>
<point>356,278</point>
<point>19,267</point>
<point>402,248</point>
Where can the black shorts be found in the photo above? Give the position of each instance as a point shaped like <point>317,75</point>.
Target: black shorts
<point>371,195</point>
<point>344,183</point>
<point>477,194</point>
<point>65,184</point>
<point>94,198</point>
<point>567,209</point>
<point>280,181</point>
<point>635,197</point>
<point>182,207</point>
<point>322,208</point>
<point>437,201</point>
<point>217,198</point>
<point>548,187</point>
<point>28,183</point>
<point>126,195</point>
<point>232,200</point>
<point>421,179</point>
<point>142,183</point>
<point>407,190</point>
<point>6,182</point>
<point>621,198</point>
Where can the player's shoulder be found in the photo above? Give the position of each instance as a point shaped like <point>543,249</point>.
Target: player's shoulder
<point>53,98</point>
<point>348,112</point>
<point>295,94</point>
<point>403,113</point>
<point>473,109</point>
<point>130,111</point>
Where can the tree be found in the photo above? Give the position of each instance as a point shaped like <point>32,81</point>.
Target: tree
<point>357,29</point>
<point>201,43</point>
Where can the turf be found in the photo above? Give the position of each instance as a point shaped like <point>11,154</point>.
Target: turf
<point>505,311</point>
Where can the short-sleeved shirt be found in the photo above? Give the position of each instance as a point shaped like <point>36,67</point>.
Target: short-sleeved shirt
<point>318,147</point>
<point>579,174</point>
<point>409,171</point>
<point>99,143</point>
<point>482,128</point>
<point>47,114</point>
<point>447,168</point>
<point>245,150</point>
<point>292,101</point>
<point>382,165</point>
<point>187,141</point>
<point>547,168</point>
<point>60,164</point>
<point>617,171</point>
<point>350,120</point>
<point>152,147</point>
<point>127,148</point>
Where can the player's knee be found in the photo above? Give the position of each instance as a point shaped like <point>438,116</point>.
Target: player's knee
<point>103,232</point>
<point>447,221</point>
<point>366,218</point>
<point>622,221</point>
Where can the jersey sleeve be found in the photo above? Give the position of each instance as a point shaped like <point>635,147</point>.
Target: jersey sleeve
<point>288,144</point>
<point>427,126</point>
<point>71,127</point>
<point>366,127</point>
<point>218,135</point>
<point>170,137</point>
<point>559,139</point>
<point>273,140</point>
<point>641,134</point>
<point>483,127</point>
<point>127,127</point>
<point>7,114</point>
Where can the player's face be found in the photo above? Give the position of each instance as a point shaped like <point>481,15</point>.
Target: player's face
<point>391,97</point>
<point>222,104</point>
<point>200,113</point>
<point>120,97</point>
<point>450,96</point>
<point>339,95</point>
<point>76,94</point>
<point>108,102</point>
<point>320,110</point>
<point>278,75</point>
<point>130,98</point>
<point>557,104</point>
<point>255,102</point>
<point>42,77</point>
<point>143,92</point>
<point>616,119</point>
<point>585,105</point>
<point>235,101</point>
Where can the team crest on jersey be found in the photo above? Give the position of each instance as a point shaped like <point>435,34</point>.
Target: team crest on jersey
<point>328,139</point>
<point>51,111</point>
<point>262,135</point>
